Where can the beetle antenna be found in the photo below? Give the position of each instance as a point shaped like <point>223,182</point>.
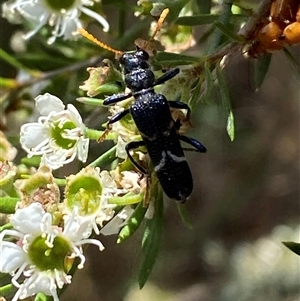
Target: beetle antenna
<point>90,37</point>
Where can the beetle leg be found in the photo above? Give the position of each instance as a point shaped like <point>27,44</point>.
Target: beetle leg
<point>113,119</point>
<point>166,76</point>
<point>176,104</point>
<point>133,145</point>
<point>117,117</point>
<point>198,146</point>
<point>116,98</point>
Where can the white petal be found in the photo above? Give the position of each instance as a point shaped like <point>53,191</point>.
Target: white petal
<point>75,116</point>
<point>118,221</point>
<point>35,284</point>
<point>121,151</point>
<point>70,31</point>
<point>48,103</point>
<point>32,135</point>
<point>28,220</point>
<point>33,12</point>
<point>77,229</point>
<point>12,257</point>
<point>126,212</point>
<point>107,180</point>
<point>83,149</point>
<point>112,227</point>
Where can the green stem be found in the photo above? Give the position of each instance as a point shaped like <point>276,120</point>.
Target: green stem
<point>5,227</point>
<point>95,134</point>
<point>105,158</point>
<point>7,290</point>
<point>8,83</point>
<point>60,182</point>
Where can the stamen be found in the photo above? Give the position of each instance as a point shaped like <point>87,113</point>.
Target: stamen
<point>97,17</point>
<point>78,253</point>
<point>95,227</point>
<point>34,31</point>
<point>17,294</point>
<point>91,241</point>
<point>41,148</point>
<point>70,220</point>
<point>18,274</point>
<point>61,278</point>
<point>12,233</point>
<point>46,224</point>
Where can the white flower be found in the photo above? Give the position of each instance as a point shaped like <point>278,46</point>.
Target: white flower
<point>63,16</point>
<point>58,135</point>
<point>41,251</point>
<point>90,191</point>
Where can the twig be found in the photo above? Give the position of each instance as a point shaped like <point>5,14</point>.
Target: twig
<point>249,29</point>
<point>48,75</point>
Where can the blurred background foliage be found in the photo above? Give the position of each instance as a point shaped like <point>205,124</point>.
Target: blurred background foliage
<point>246,191</point>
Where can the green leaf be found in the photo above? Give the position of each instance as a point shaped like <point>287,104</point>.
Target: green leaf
<point>10,59</point>
<point>197,20</point>
<point>8,204</point>
<point>226,102</point>
<point>261,68</point>
<point>230,126</point>
<point>209,82</point>
<point>203,19</point>
<point>293,246</point>
<point>174,59</point>
<point>133,223</point>
<point>195,94</point>
<point>151,239</point>
<point>184,216</point>
<point>229,33</point>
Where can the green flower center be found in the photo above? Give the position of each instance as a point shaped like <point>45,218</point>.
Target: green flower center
<point>47,257</point>
<point>85,193</point>
<point>60,5</point>
<point>58,133</point>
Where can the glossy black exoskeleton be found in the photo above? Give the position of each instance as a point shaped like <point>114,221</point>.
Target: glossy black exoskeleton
<point>151,113</point>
